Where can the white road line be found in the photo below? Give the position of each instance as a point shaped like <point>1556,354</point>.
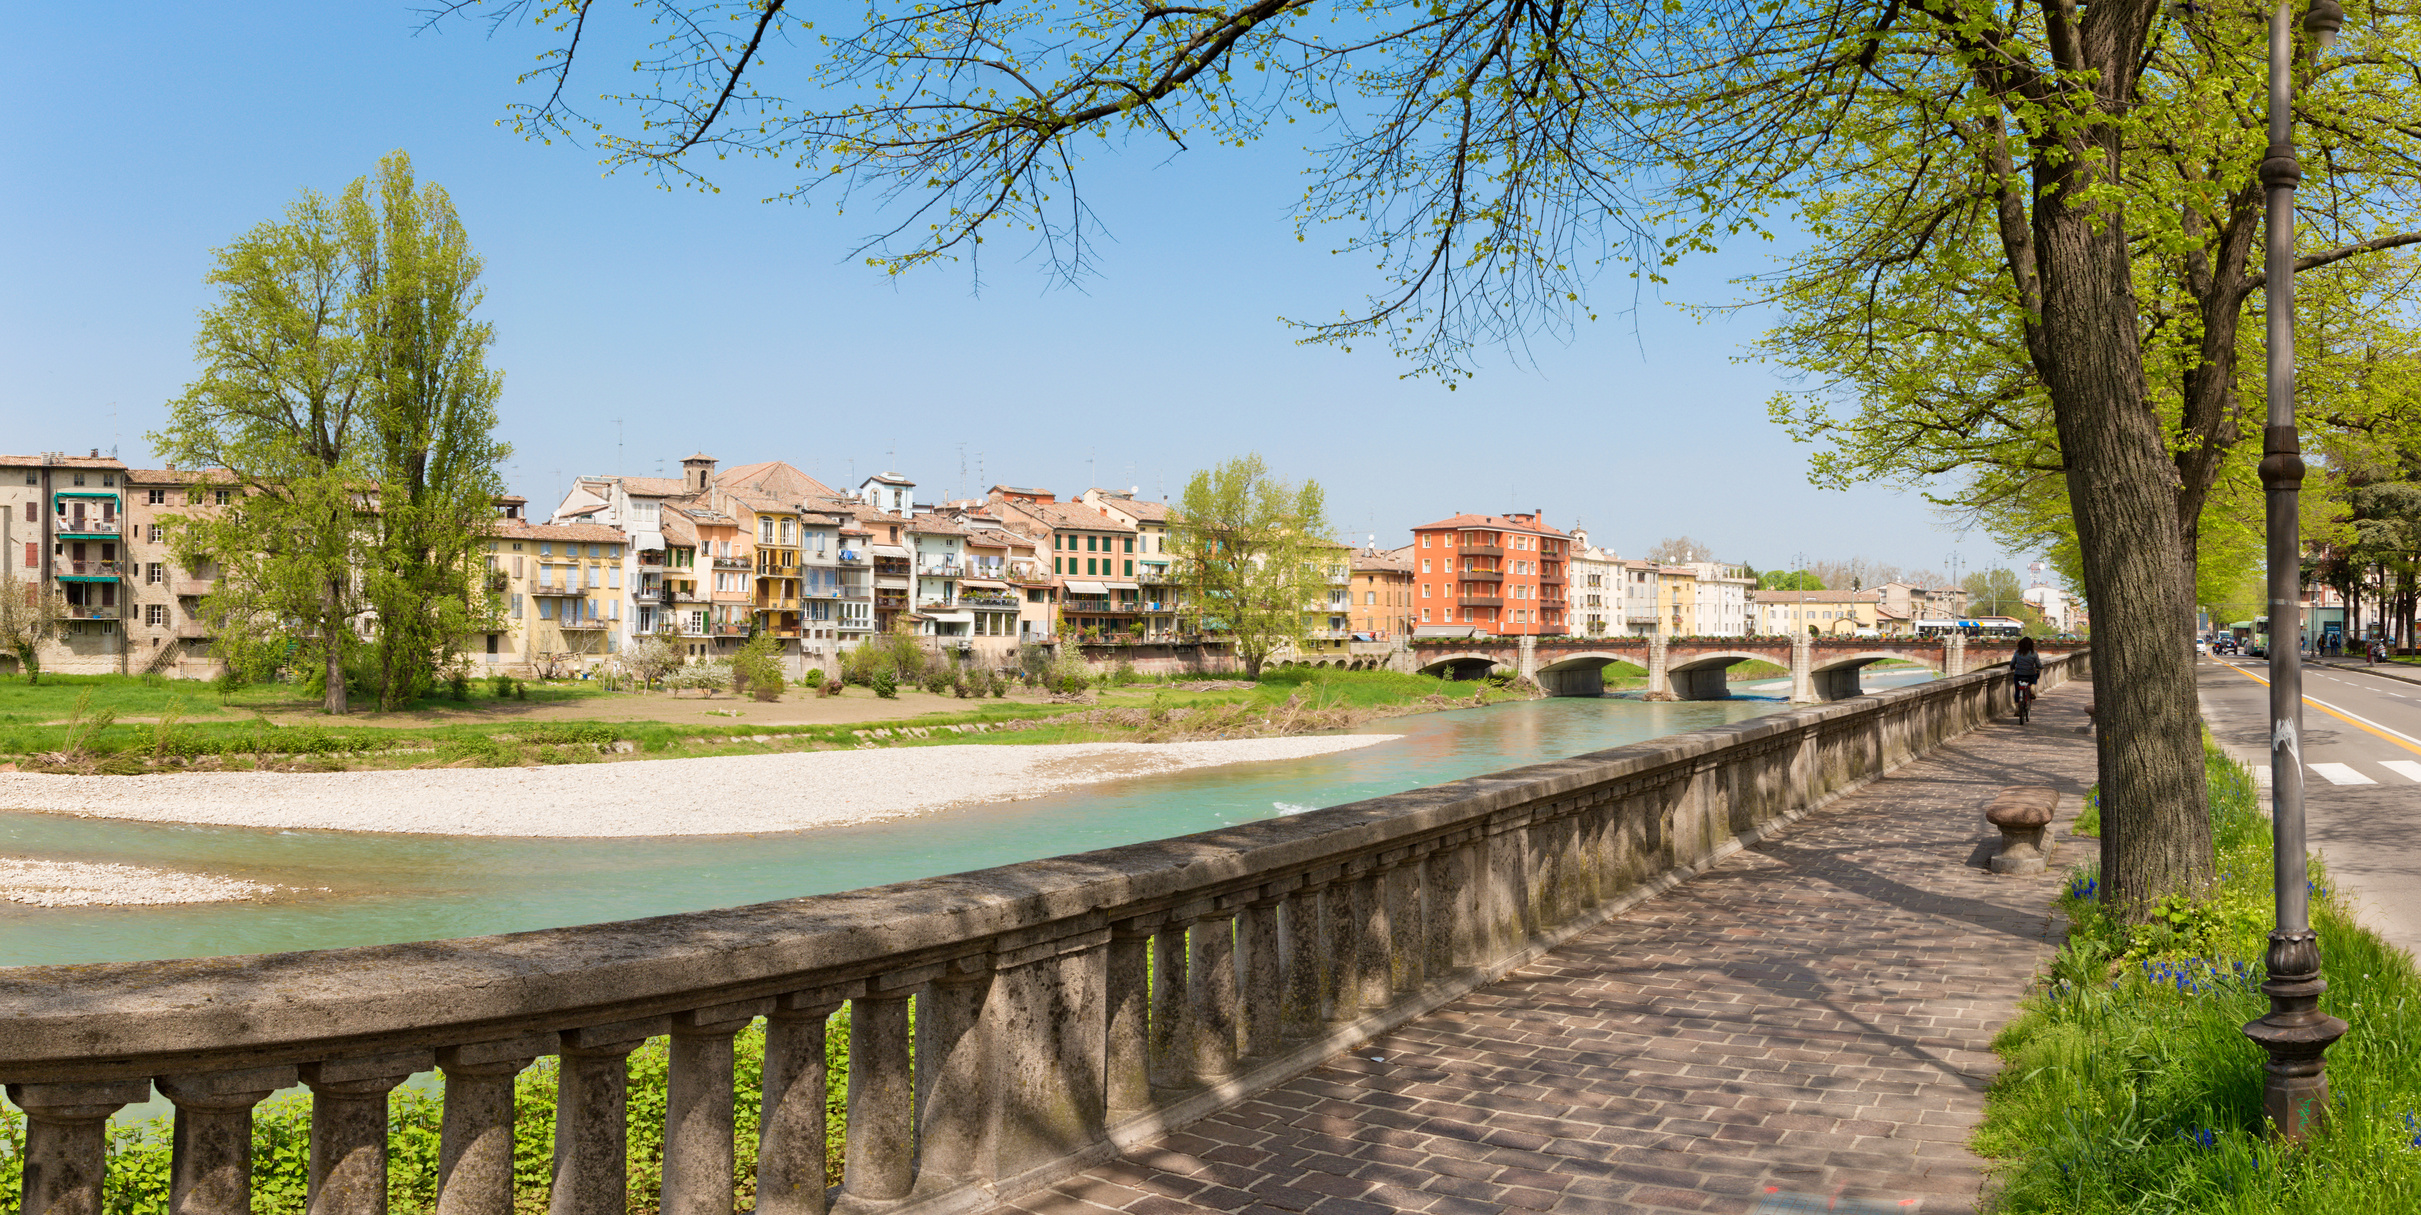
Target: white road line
<point>2405,768</point>
<point>2341,774</point>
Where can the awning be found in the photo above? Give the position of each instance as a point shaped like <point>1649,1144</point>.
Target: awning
<point>1087,588</point>
<point>647,542</point>
<point>985,583</point>
<point>1122,586</point>
<point>1446,630</point>
<point>889,550</point>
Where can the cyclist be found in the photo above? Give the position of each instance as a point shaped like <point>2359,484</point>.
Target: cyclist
<point>2024,669</point>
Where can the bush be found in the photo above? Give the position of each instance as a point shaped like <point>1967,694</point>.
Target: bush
<point>500,685</point>
<point>937,679</point>
<point>1123,673</point>
<point>814,678</point>
<point>458,684</point>
<point>757,669</point>
<point>521,690</point>
<point>885,684</point>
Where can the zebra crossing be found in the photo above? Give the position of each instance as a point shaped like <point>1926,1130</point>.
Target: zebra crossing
<point>2402,772</point>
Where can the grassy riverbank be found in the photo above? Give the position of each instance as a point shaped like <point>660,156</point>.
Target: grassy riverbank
<point>44,728</point>
<point>2129,1086</point>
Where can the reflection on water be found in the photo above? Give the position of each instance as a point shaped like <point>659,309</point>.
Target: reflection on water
<point>382,888</point>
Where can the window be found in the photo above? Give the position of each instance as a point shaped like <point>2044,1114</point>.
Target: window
<point>613,577</point>
<point>155,533</point>
<point>546,549</point>
<point>154,573</point>
<point>592,550</point>
<point>1424,590</point>
<point>1130,569</point>
<point>223,496</point>
<point>155,614</point>
<point>546,609</point>
<point>109,479</point>
<point>1130,544</point>
<point>79,478</point>
<point>155,497</point>
<point>1424,615</point>
<point>1092,544</point>
<point>1424,565</point>
<point>1370,598</point>
<point>788,530</point>
<point>765,531</point>
<point>1424,541</point>
<point>1089,563</point>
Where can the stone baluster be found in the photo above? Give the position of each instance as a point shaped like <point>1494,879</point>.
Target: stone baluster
<point>210,1146</point>
<point>1441,890</point>
<point>1340,978</point>
<point>1400,885</point>
<point>1172,1032</point>
<point>66,1152</point>
<point>1128,995</point>
<point>1374,978</point>
<point>953,1072</point>
<point>349,1129</point>
<point>1299,1005</point>
<point>880,1155</point>
<point>793,1140</point>
<point>1211,982</point>
<point>1259,1019</point>
<point>1044,1037</point>
<point>698,1166</point>
<point>592,1117</point>
<point>475,1141</point>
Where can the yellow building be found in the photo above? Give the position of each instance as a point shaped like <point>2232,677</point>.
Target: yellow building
<point>1825,614</point>
<point>562,589</point>
<point>1677,600</point>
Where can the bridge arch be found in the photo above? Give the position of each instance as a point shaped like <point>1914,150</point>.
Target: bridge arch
<point>1582,673</point>
<point>1834,673</point>
<point>1464,665</point>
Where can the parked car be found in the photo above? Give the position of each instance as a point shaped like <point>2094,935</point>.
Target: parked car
<point>2201,646</point>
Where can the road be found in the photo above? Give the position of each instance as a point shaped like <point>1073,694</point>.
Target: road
<point>2362,777</point>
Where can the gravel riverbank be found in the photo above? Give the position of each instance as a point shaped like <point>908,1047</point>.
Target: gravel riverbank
<point>719,795</point>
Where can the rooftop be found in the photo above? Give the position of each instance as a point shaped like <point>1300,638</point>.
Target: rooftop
<point>1526,524</point>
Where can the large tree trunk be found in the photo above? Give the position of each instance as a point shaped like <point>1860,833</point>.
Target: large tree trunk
<point>332,624</point>
<point>2122,486</point>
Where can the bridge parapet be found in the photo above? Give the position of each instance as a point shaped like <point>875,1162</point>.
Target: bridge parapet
<point>1064,1008</point>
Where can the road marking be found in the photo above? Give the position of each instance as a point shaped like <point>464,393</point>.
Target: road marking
<point>2402,767</point>
<point>2406,741</point>
<point>2341,774</point>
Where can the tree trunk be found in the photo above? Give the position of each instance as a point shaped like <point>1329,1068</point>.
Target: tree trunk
<point>2122,487</point>
<point>332,625</point>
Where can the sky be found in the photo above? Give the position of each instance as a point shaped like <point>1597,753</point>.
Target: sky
<point>636,326</point>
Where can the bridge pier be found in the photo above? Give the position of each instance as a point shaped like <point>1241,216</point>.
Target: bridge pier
<point>1660,684</point>
<point>1839,683</point>
<point>1576,681</point>
<point>1700,683</point>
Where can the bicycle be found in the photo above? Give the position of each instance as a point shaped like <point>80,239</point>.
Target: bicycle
<point>2025,701</point>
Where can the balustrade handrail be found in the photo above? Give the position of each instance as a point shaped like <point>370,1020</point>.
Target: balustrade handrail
<point>1274,943</point>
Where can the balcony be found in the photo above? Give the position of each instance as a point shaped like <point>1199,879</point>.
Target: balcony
<point>1482,575</point>
<point>650,594</point>
<point>193,630</point>
<point>191,588</point>
<point>651,556</point>
<point>821,592</point>
<point>574,592</point>
<point>583,624</point>
<point>850,557</point>
<point>90,527</point>
<point>733,563</point>
<point>1100,607</point>
<point>1481,601</point>
<point>97,570</point>
<point>941,569</point>
<point>89,611</point>
<point>988,601</point>
<point>891,603</point>
<point>683,597</point>
<point>728,630</point>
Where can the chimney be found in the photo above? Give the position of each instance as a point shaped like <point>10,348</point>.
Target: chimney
<point>96,453</point>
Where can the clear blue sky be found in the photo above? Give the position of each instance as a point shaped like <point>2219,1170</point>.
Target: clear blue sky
<point>722,323</point>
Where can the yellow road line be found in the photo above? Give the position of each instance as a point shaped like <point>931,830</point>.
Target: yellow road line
<point>2401,740</point>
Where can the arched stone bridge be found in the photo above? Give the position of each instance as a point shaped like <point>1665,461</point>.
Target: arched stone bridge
<point>1695,668</point>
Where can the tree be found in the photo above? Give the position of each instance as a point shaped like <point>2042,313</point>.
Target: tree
<point>429,421</point>
<point>651,658</point>
<point>30,618</point>
<point>343,387</point>
<point>1789,580</point>
<point>1994,592</point>
<point>1493,155</point>
<point>1676,550</point>
<point>1253,551</point>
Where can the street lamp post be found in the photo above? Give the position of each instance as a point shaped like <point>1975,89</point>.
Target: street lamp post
<point>2295,1085</point>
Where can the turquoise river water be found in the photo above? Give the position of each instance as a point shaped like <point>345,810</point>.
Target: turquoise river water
<point>362,888</point>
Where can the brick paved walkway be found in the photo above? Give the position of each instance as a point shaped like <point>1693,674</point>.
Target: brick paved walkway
<point>1807,1026</point>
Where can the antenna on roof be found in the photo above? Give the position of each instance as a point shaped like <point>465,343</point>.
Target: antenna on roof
<point>617,443</point>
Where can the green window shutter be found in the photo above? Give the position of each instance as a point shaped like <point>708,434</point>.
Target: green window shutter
<point>1130,569</point>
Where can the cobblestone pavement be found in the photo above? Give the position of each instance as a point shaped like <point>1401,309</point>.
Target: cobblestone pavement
<point>1807,1026</point>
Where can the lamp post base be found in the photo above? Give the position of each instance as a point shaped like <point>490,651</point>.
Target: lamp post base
<point>2294,1082</point>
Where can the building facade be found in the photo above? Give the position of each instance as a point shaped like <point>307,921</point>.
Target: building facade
<point>1494,575</point>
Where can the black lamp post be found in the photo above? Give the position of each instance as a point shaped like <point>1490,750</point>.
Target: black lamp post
<point>2295,1084</point>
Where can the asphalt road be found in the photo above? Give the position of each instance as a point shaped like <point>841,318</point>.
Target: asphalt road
<point>2362,776</point>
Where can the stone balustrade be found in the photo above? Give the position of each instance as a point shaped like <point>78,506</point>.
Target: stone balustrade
<point>1062,1007</point>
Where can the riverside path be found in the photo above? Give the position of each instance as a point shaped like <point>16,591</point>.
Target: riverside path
<point>1806,1026</point>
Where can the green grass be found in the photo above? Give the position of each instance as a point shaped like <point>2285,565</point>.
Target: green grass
<point>2129,1085</point>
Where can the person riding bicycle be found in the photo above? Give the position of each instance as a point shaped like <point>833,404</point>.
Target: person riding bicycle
<point>2025,668</point>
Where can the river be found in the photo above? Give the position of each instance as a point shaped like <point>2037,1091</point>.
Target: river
<point>360,888</point>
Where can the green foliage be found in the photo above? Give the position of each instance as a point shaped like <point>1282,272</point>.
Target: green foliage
<point>885,683</point>
<point>757,669</point>
<point>1253,551</point>
<point>814,678</point>
<point>1789,580</point>
<point>2128,1084</point>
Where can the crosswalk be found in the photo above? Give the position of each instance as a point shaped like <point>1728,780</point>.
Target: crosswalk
<point>2404,771</point>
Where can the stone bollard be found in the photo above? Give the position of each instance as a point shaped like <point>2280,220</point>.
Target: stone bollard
<point>2023,813</point>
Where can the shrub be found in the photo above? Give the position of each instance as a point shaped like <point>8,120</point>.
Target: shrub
<point>757,669</point>
<point>1123,673</point>
<point>458,684</point>
<point>832,687</point>
<point>500,685</point>
<point>885,684</point>
<point>937,679</point>
<point>814,678</point>
<point>521,689</point>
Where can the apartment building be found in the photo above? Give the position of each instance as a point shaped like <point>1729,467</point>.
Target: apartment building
<point>64,532</point>
<point>563,598</point>
<point>1155,567</point>
<point>1380,593</point>
<point>1092,556</point>
<point>163,620</point>
<point>1821,613</point>
<point>938,547</point>
<point>1497,575</point>
<point>1594,598</point>
<point>1720,606</point>
<point>1637,580</point>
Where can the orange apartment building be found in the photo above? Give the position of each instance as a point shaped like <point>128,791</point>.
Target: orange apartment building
<point>1497,575</point>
